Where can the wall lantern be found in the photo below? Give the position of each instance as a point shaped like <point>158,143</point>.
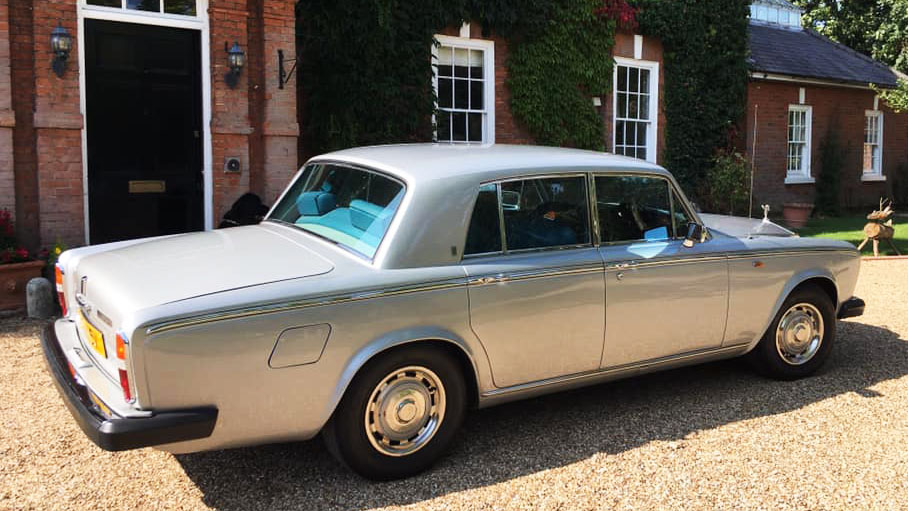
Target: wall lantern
<point>61,43</point>
<point>236,59</point>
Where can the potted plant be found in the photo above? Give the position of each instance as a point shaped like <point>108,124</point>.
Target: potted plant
<point>17,266</point>
<point>796,213</point>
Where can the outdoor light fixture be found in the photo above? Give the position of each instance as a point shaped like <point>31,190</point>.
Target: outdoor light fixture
<point>236,59</point>
<point>61,43</point>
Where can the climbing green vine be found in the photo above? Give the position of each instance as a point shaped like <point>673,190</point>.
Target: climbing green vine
<point>366,69</point>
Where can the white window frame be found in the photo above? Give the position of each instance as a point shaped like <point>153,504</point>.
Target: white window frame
<point>652,135</point>
<point>199,22</point>
<point>488,78</point>
<point>876,173</point>
<point>802,175</point>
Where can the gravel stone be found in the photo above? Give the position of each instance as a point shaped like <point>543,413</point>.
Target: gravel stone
<point>709,437</point>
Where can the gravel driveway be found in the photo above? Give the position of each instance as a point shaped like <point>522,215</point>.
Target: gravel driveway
<point>709,437</point>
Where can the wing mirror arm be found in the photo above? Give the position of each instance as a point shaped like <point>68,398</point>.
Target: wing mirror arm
<point>696,233</point>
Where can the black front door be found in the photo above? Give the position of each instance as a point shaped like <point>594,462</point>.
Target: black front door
<point>144,122</point>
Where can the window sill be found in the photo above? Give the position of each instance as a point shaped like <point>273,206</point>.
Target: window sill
<point>799,180</point>
<point>872,178</point>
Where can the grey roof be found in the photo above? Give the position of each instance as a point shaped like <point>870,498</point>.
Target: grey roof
<point>807,54</point>
<point>421,163</point>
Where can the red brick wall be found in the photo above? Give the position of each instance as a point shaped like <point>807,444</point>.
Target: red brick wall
<point>838,108</point>
<point>22,72</point>
<point>7,117</point>
<point>58,125</point>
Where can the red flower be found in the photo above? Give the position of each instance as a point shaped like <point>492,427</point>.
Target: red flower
<point>620,11</point>
<point>22,253</point>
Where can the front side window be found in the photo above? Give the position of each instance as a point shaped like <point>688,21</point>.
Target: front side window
<point>635,110</point>
<point>484,234</point>
<point>349,206</point>
<point>799,124</point>
<point>639,208</point>
<point>464,86</point>
<point>546,212</point>
<point>873,143</point>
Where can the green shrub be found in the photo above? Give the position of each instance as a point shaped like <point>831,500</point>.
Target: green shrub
<point>728,184</point>
<point>832,161</point>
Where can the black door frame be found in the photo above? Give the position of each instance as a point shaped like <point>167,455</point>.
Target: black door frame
<point>200,23</point>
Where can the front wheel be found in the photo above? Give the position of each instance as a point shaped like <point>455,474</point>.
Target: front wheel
<point>800,337</point>
<point>399,414</point>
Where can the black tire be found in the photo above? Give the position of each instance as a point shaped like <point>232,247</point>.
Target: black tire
<point>346,435</point>
<point>766,357</point>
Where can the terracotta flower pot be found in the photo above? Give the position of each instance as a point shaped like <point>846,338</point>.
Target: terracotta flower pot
<point>13,279</point>
<point>796,214</point>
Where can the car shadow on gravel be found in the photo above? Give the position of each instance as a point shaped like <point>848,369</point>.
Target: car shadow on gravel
<point>513,440</point>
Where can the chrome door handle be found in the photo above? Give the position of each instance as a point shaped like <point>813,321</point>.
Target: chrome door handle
<point>490,280</point>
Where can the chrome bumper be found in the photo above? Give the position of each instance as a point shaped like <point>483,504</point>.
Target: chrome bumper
<point>120,434</point>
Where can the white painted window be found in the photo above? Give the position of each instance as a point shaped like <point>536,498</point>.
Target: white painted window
<point>799,130</point>
<point>873,143</point>
<point>776,15</point>
<point>177,7</point>
<point>636,102</point>
<point>465,87</point>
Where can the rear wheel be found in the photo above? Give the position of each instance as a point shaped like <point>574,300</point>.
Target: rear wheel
<point>399,414</point>
<point>800,337</point>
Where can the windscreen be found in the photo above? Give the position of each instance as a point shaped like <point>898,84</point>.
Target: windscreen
<point>349,206</point>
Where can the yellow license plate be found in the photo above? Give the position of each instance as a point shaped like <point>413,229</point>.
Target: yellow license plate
<point>95,337</point>
<point>100,405</point>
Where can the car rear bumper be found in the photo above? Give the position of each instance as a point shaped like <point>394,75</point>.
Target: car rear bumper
<point>117,433</point>
<point>851,308</point>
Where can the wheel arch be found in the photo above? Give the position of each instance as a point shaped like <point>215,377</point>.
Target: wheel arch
<point>819,277</point>
<point>452,344</point>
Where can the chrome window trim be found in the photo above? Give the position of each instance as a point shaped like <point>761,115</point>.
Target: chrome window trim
<point>541,273</point>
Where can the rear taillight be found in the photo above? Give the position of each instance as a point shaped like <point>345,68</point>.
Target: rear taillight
<point>124,382</point>
<point>58,278</point>
<point>122,343</point>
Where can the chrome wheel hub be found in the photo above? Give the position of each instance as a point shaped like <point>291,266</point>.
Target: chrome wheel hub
<point>799,334</point>
<point>405,411</point>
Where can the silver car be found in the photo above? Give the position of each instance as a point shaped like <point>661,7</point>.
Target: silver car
<point>392,288</point>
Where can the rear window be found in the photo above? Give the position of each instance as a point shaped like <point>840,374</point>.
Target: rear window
<point>349,206</point>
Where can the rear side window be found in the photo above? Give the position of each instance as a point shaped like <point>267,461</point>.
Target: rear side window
<point>484,235</point>
<point>545,212</point>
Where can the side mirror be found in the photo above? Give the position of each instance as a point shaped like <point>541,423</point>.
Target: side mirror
<point>696,233</point>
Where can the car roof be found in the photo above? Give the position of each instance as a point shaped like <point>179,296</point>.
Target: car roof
<point>421,162</point>
<point>443,182</point>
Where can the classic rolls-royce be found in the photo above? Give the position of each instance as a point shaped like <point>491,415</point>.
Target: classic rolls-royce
<point>392,288</point>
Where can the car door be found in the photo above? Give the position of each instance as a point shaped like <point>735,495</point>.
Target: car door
<point>662,298</point>
<point>536,282</point>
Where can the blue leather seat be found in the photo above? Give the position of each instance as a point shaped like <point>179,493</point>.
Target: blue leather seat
<point>316,203</point>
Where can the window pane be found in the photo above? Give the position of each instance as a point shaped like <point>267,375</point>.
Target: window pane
<point>459,127</point>
<point>622,78</point>
<point>484,235</point>
<point>445,93</point>
<point>476,63</point>
<point>348,206</point>
<point>461,94</point>
<point>633,80</point>
<point>622,105</point>
<point>633,208</point>
<point>641,133</point>
<point>185,7</point>
<point>461,62</point>
<point>644,107</point>
<point>443,126</point>
<point>144,5</point>
<point>474,127</point>
<point>476,95</point>
<point>633,106</point>
<point>644,81</point>
<point>106,3</point>
<point>541,213</point>
<point>619,133</point>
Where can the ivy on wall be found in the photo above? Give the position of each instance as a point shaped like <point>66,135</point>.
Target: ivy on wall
<point>366,75</point>
<point>705,92</point>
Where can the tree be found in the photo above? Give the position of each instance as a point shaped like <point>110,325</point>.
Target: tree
<point>878,28</point>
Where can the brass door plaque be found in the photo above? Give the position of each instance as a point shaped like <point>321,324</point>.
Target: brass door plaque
<point>147,186</point>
